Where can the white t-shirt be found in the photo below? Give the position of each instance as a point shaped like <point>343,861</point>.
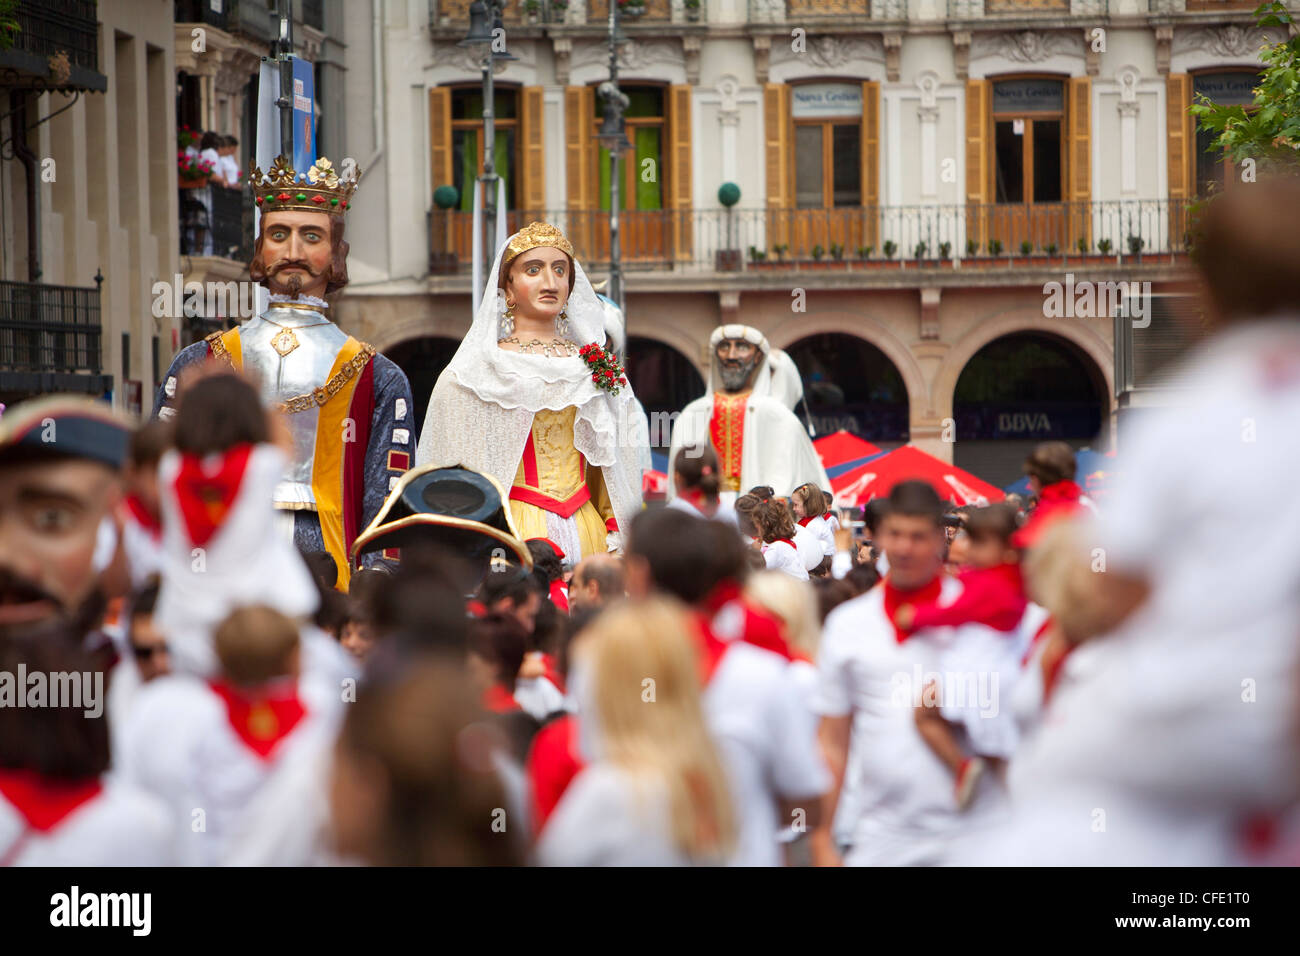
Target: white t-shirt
<point>726,512</point>
<point>608,818</point>
<point>761,720</point>
<point>538,696</point>
<point>122,826</point>
<point>1181,718</point>
<point>901,793</point>
<point>781,556</point>
<point>809,547</point>
<point>824,534</point>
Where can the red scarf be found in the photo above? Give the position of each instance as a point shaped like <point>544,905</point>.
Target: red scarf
<point>1057,500</point>
<point>786,541</point>
<point>896,598</point>
<point>804,521</point>
<point>143,516</point>
<point>260,721</point>
<point>204,498</point>
<point>559,595</point>
<point>45,802</point>
<point>498,700</point>
<point>758,627</point>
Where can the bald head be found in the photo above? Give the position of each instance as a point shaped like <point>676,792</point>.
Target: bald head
<point>598,580</point>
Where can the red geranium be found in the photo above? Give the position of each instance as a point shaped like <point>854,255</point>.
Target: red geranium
<point>606,373</point>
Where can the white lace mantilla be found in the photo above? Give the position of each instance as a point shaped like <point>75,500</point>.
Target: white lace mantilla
<point>482,407</point>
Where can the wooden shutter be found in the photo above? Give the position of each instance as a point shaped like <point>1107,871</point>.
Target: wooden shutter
<point>579,188</point>
<point>1078,170</point>
<point>679,174</point>
<point>1178,88</point>
<point>532,174</point>
<point>776,133</point>
<point>979,159</point>
<point>870,161</point>
<point>440,135</point>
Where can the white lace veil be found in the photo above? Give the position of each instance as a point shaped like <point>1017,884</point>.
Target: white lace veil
<point>483,404</point>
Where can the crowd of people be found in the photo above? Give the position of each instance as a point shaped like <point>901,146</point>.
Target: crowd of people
<point>767,681</point>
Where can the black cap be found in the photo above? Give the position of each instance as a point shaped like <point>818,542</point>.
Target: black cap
<point>64,426</point>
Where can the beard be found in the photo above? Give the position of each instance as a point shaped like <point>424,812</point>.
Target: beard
<point>736,374</point>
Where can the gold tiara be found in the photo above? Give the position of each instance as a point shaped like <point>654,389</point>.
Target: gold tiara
<point>535,235</point>
<point>322,191</point>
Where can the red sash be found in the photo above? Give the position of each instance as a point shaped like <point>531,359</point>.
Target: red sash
<point>205,498</point>
<point>896,598</point>
<point>260,722</point>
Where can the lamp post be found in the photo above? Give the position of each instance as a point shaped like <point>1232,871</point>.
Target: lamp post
<point>481,14</point>
<point>613,138</point>
<point>284,53</point>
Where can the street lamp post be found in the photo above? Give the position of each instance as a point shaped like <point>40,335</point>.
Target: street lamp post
<point>481,14</point>
<point>614,139</point>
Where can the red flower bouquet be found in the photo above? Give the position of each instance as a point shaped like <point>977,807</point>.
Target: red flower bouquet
<point>606,373</point>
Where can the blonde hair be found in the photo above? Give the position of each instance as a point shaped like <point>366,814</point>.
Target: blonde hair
<point>812,499</point>
<point>791,600</point>
<point>662,738</point>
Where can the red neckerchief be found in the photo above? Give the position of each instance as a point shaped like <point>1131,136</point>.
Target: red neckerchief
<point>804,521</point>
<point>1057,500</point>
<point>692,495</point>
<point>261,722</point>
<point>758,627</point>
<point>559,594</point>
<point>45,802</point>
<point>143,516</point>
<point>711,649</point>
<point>786,540</point>
<point>552,672</point>
<point>204,498</point>
<point>1060,491</point>
<point>498,700</point>
<point>896,598</point>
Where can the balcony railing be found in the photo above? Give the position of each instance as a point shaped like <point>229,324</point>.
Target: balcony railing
<point>804,11</point>
<point>47,32</point>
<point>49,328</point>
<point>993,235</point>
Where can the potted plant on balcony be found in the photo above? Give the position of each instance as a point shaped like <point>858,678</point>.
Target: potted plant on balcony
<point>631,8</point>
<point>995,247</point>
<point>533,11</point>
<point>837,253</point>
<point>558,9</point>
<point>728,259</point>
<point>442,255</point>
<point>921,253</point>
<point>945,251</point>
<point>1103,246</point>
<point>779,250</point>
<point>692,10</point>
<point>192,172</point>
<point>972,248</point>
<point>1135,244</point>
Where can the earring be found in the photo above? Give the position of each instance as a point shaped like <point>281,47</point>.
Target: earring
<point>507,323</point>
<point>562,323</point>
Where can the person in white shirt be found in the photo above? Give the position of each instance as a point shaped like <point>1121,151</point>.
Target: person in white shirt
<point>1172,724</point>
<point>871,674</point>
<point>698,483</point>
<point>809,506</point>
<point>654,792</point>
<point>776,529</point>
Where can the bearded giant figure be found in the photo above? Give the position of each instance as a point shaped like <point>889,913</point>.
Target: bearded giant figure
<point>348,407</point>
<point>746,417</point>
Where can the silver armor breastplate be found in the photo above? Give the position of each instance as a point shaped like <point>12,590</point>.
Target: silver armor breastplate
<point>281,378</point>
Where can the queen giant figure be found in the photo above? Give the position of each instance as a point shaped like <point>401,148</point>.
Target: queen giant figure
<point>533,399</point>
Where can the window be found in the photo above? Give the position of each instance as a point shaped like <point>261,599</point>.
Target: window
<point>642,180</point>
<point>1028,162</point>
<point>467,142</point>
<point>827,145</point>
<point>1224,89</point>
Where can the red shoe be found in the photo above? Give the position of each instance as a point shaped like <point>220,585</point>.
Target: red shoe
<point>968,777</point>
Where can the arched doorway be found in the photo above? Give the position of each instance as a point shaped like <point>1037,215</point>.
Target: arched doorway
<point>665,382</point>
<point>1019,390</point>
<point>850,384</point>
<point>423,360</point>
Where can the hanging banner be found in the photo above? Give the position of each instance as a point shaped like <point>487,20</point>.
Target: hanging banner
<point>304,115</point>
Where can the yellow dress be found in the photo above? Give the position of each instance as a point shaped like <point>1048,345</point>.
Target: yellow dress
<point>556,494</point>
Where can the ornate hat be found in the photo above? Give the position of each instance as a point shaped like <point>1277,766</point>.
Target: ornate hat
<point>533,236</point>
<point>320,188</point>
<point>463,510</point>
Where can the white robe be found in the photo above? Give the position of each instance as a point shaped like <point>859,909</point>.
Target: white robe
<point>776,450</point>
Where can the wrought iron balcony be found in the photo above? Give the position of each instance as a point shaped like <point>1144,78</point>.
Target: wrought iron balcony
<point>988,236</point>
<point>56,48</point>
<point>200,11</point>
<point>815,11</point>
<point>216,221</point>
<point>48,329</point>
<point>1012,9</point>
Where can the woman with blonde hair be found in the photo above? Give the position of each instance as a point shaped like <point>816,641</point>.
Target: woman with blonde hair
<point>654,792</point>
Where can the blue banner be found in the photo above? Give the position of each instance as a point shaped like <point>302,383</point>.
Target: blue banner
<point>304,116</point>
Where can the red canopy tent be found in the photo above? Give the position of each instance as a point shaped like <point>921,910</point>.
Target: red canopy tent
<point>876,478</point>
<point>841,446</point>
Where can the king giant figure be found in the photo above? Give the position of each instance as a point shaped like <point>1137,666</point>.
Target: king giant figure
<point>348,407</point>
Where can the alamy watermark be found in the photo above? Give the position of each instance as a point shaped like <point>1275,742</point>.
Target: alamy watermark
<point>1091,300</point>
<point>83,690</point>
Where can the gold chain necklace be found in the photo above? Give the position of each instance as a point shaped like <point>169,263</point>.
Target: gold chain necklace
<point>556,348</point>
<point>285,341</point>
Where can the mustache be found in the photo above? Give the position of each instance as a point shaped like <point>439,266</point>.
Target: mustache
<point>294,264</point>
<point>15,589</point>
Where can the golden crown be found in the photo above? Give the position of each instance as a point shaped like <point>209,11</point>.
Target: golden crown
<point>321,191</point>
<point>535,235</point>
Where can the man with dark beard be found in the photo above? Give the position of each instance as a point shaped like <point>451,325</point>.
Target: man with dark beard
<point>60,478</point>
<point>348,408</point>
<point>758,439</point>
